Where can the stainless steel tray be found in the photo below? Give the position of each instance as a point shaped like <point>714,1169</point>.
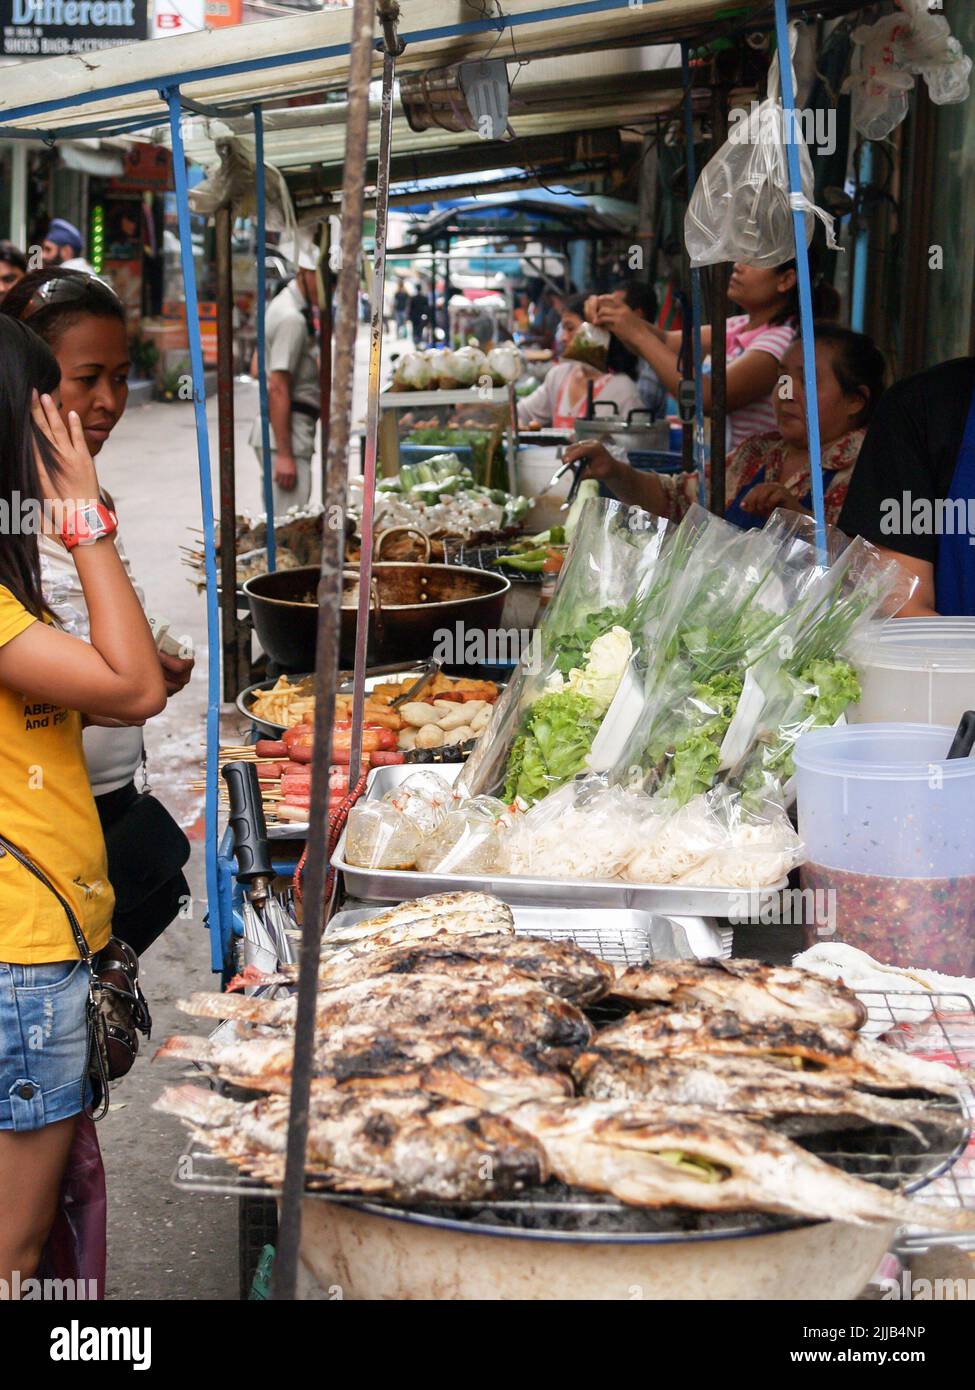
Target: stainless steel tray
<point>671,900</point>
<point>622,936</point>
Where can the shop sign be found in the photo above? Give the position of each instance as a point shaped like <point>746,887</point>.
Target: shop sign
<point>46,28</point>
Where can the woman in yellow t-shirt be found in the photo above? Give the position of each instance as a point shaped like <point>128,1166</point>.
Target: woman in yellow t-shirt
<point>52,855</point>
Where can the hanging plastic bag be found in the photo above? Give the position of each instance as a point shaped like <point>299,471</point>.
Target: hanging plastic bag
<point>890,55</point>
<point>741,208</point>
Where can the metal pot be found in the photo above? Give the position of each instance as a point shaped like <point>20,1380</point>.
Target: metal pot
<point>371,1253</point>
<point>410,604</point>
<point>613,429</point>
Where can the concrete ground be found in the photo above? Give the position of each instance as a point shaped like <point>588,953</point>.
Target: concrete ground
<point>164,1242</point>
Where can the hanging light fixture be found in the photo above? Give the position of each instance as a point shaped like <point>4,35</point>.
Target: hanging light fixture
<point>470,96</point>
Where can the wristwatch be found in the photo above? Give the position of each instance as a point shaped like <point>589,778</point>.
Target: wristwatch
<point>88,524</point>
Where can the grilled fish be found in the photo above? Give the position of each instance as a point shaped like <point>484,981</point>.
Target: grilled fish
<point>463,913</point>
<point>754,991</point>
<point>871,1064</point>
<point>560,967</point>
<point>651,1156</point>
<point>744,1085</point>
<point>516,1012</point>
<point>447,1065</point>
<point>408,1147</point>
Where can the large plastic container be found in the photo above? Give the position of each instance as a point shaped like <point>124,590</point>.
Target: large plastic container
<point>889,830</point>
<point>915,670</point>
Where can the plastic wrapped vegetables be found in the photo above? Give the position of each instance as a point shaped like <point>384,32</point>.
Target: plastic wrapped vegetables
<point>808,681</point>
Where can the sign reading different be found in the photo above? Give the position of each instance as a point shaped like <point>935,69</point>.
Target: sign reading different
<point>46,28</point>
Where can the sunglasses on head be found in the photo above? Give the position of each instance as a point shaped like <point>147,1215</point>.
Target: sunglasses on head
<point>68,289</point>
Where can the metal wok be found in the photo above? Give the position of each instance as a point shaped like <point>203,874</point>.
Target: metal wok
<point>410,604</point>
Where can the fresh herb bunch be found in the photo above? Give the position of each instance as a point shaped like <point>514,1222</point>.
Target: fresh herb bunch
<point>685,753</point>
<point>551,746</point>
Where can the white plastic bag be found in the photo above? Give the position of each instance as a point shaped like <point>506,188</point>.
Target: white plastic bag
<point>741,207</point>
<point>890,55</point>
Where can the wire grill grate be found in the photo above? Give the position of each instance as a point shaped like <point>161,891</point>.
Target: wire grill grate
<point>943,1029</point>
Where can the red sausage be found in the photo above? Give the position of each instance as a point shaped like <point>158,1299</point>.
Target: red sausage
<point>271,748</point>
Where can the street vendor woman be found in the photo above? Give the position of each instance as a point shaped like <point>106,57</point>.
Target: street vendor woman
<point>293,386</point>
<point>913,492</point>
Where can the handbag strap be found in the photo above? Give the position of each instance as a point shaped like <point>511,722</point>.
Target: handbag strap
<point>26,862</point>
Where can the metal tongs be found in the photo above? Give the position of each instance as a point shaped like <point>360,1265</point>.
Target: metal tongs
<point>429,671</point>
<point>560,472</point>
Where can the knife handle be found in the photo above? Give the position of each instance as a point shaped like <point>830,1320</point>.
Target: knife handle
<point>247,822</point>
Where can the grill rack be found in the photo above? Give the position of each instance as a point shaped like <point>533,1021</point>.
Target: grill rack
<point>485,557</point>
<point>943,1026</point>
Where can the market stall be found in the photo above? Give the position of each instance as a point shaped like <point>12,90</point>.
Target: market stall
<point>632,782</point>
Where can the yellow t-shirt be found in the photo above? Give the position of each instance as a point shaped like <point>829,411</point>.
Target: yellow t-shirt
<point>47,811</point>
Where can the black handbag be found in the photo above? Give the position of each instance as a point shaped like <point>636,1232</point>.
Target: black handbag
<point>117,1010</point>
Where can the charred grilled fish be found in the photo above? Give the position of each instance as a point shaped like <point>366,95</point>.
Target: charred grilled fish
<point>406,1147</point>
<point>669,1032</point>
<point>515,1012</point>
<point>748,1086</point>
<point>754,991</point>
<point>560,967</point>
<point>652,1157</point>
<point>448,1065</point>
<point>473,914</point>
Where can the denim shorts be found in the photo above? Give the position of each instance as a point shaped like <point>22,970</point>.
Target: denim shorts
<point>43,1043</point>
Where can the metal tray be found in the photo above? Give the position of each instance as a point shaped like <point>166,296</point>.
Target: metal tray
<point>672,900</point>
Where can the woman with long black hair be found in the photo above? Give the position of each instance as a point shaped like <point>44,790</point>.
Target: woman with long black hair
<point>82,321</point>
<point>52,853</point>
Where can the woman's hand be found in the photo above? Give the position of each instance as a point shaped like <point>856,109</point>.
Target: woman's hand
<point>598,462</point>
<point>176,672</point>
<point>765,497</point>
<point>76,480</point>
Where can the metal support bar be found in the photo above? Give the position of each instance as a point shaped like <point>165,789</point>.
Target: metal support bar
<point>267,463</point>
<point>367,526</point>
<point>792,137</point>
<point>699,449</point>
<point>326,290</point>
<point>719,349</point>
<point>234,674</point>
<point>211,800</point>
<point>327,651</point>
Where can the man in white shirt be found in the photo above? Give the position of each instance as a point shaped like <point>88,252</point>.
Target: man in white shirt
<point>293,386</point>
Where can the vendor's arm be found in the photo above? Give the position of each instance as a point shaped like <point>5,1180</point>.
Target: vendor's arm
<point>117,673</point>
<point>279,412</point>
<point>538,408</point>
<point>921,603</point>
<point>629,485</point>
<point>750,377</point>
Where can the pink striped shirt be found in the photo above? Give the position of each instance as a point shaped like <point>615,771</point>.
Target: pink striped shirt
<point>758,417</point>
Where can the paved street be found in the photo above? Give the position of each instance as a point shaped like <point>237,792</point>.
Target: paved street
<point>163,1242</point>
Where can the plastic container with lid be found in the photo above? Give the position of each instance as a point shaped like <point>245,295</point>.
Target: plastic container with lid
<point>915,670</point>
<point>889,831</point>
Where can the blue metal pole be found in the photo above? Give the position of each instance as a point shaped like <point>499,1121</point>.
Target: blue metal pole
<point>171,96</point>
<point>858,299</point>
<point>267,463</point>
<point>696,310</point>
<point>791,137</point>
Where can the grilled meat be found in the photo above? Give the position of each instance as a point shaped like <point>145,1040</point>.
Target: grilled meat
<point>651,1156</point>
<point>754,991</point>
<point>515,1012</point>
<point>560,967</point>
<point>749,1086</point>
<point>408,1147</point>
<point>473,914</point>
<point>447,1065</point>
<point>661,1033</point>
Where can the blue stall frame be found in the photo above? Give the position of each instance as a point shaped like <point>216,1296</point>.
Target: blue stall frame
<point>222,896</point>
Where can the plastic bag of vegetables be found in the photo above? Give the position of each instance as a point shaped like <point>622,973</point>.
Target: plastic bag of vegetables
<point>590,345</point>
<point>504,364</point>
<point>413,373</point>
<point>459,370</point>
